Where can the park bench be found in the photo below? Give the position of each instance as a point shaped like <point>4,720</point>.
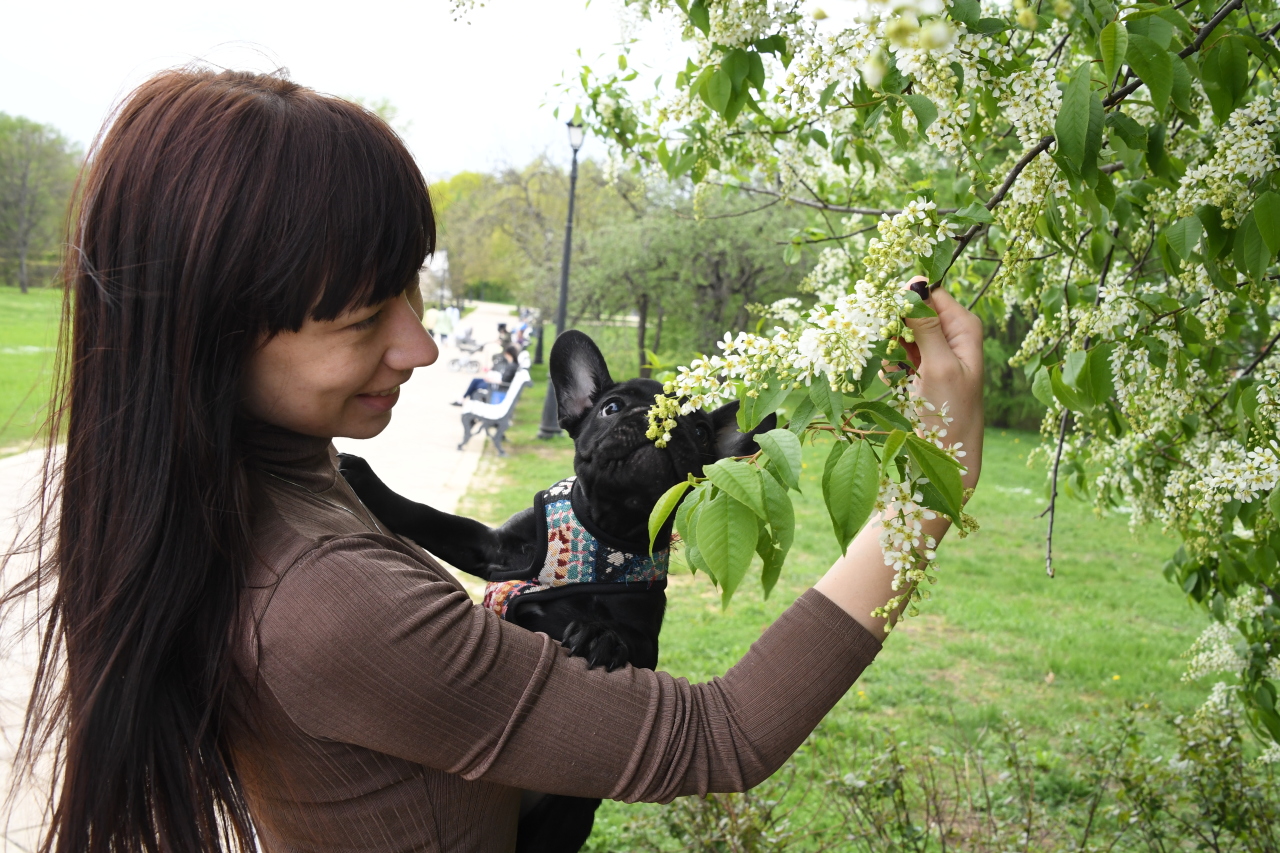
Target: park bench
<point>493,418</point>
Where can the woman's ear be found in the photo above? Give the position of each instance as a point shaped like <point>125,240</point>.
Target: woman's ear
<point>579,374</point>
<point>730,441</point>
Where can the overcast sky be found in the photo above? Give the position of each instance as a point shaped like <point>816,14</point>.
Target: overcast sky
<point>477,93</point>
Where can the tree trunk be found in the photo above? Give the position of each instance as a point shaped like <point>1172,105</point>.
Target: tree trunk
<point>537,353</point>
<point>22,269</point>
<point>645,370</point>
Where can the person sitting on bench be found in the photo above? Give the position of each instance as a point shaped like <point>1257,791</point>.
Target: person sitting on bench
<point>495,380</point>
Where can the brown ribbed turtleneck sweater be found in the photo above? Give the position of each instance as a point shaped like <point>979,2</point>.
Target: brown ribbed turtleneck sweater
<point>382,710</point>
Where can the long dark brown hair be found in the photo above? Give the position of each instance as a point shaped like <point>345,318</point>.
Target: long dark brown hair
<point>216,210</point>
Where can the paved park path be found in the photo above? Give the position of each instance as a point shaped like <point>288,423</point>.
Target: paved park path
<point>416,455</point>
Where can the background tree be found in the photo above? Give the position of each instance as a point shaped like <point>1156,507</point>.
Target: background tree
<point>37,171</point>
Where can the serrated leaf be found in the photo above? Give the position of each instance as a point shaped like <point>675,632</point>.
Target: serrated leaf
<point>737,66</point>
<point>1072,126</point>
<point>1042,388</point>
<point>739,479</point>
<point>1250,253</point>
<point>727,533</point>
<point>752,410</point>
<point>1133,134</point>
<point>975,212</point>
<point>784,452</point>
<point>802,416</point>
<point>1154,65</point>
<point>1266,215</point>
<point>782,523</point>
<point>663,508</point>
<point>893,445</point>
<point>1101,378</point>
<point>1113,43</point>
<point>1183,235</point>
<point>699,16</point>
<point>755,71</point>
<point>940,259</point>
<point>925,111</point>
<point>966,12</point>
<point>1181,88</point>
<point>718,90</point>
<point>885,416</point>
<point>1224,71</point>
<point>827,401</point>
<point>1067,395</point>
<point>849,489</point>
<point>943,473</point>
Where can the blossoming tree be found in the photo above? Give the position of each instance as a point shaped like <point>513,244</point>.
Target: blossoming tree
<point>1108,169</point>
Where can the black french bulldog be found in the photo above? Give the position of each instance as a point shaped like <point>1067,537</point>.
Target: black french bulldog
<point>534,562</point>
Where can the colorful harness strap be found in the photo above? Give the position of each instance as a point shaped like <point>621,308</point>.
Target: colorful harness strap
<point>573,555</point>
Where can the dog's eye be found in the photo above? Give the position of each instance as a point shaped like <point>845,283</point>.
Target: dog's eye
<point>612,407</point>
<point>703,432</point>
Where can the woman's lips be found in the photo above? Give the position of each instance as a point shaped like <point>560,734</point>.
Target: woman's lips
<point>380,401</point>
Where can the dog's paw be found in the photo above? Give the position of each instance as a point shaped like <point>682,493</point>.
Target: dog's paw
<point>600,644</point>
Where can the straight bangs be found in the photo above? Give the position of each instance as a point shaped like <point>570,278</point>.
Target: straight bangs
<point>363,224</point>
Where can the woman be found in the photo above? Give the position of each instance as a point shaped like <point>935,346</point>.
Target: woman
<point>249,654</point>
<point>494,380</point>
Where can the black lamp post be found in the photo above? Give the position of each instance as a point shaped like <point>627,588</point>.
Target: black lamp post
<point>550,427</point>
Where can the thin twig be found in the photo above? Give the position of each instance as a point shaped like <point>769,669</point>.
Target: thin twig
<point>990,279</point>
<point>766,206</point>
<point>822,205</point>
<point>1051,510</point>
<point>808,240</point>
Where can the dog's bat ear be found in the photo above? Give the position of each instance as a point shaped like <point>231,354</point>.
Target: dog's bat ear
<point>579,375</point>
<point>730,441</point>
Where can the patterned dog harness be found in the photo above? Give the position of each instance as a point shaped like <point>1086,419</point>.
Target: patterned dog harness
<point>575,558</point>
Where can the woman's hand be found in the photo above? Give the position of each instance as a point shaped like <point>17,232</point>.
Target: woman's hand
<point>947,356</point>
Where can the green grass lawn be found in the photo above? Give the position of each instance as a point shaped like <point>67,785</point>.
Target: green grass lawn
<point>28,335</point>
<point>998,637</point>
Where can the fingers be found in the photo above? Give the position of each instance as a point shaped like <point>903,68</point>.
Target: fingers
<point>954,334</point>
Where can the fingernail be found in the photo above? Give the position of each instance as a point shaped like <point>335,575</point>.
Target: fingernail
<point>922,289</point>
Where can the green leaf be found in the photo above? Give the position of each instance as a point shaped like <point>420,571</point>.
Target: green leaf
<point>752,410</point>
<point>1266,215</point>
<point>940,259</point>
<point>718,90</point>
<point>943,473</point>
<point>885,416</point>
<point>755,74</point>
<point>662,509</point>
<point>784,452</point>
<point>833,457</point>
<point>1251,254</point>
<point>1183,235</point>
<point>966,12</point>
<point>827,401</point>
<point>849,489</point>
<point>782,523</point>
<point>699,16</point>
<point>892,447</point>
<point>1101,384</point>
<point>1093,139</point>
<point>1224,71</point>
<point>1072,127</point>
<point>737,66</point>
<point>802,416</point>
<point>1113,42</point>
<point>1181,89</point>
<point>1273,502</point>
<point>1215,235</point>
<point>1042,388</point>
<point>1133,134</point>
<point>727,532</point>
<point>926,113</point>
<point>1154,65</point>
<point>739,479</point>
<point>975,212</point>
<point>1066,395</point>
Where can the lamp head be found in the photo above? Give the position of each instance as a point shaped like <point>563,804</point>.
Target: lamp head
<point>576,134</point>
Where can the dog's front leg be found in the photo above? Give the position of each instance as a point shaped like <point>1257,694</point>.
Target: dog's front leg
<point>464,543</point>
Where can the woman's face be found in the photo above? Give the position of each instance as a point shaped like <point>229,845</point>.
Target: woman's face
<point>340,377</point>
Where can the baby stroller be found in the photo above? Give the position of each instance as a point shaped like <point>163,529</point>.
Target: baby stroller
<point>469,347</point>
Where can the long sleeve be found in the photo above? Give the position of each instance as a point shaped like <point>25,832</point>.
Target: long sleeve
<point>365,642</point>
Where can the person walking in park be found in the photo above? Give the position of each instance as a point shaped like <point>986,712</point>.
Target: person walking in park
<point>238,655</point>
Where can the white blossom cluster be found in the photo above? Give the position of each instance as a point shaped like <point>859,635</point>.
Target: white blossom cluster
<point>904,237</point>
<point>1244,152</point>
<point>1232,472</point>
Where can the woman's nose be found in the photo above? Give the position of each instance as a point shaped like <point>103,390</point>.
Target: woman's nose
<point>410,345</point>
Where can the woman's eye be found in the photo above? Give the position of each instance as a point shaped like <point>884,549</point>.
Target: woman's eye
<point>367,322</point>
<point>610,408</point>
